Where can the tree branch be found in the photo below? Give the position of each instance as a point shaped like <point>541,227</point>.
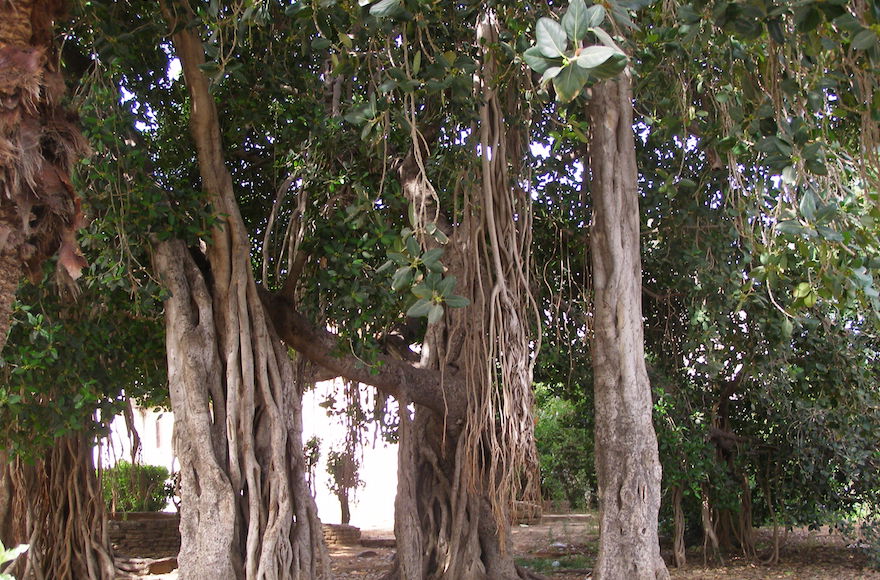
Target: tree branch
<point>443,394</point>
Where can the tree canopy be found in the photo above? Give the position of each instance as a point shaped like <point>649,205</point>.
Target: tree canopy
<point>401,193</point>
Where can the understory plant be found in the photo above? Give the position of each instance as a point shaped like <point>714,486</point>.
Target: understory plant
<point>136,488</point>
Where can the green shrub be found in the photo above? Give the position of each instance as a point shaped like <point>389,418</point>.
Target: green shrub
<point>564,441</point>
<point>136,488</point>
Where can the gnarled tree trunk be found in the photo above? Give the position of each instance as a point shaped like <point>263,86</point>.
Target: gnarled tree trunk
<point>245,508</point>
<point>460,471</point>
<point>445,529</point>
<point>627,462</point>
<point>56,506</point>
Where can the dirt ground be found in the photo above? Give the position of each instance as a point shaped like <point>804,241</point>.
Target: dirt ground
<point>570,542</point>
<point>563,547</point>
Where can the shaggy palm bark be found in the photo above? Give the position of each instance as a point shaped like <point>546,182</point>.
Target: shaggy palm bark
<point>627,463</point>
<point>54,505</point>
<point>39,143</point>
<point>245,507</point>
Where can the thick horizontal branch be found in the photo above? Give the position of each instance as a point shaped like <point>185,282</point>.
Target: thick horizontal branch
<point>398,378</point>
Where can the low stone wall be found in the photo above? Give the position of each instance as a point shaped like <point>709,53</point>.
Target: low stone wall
<point>341,535</point>
<point>557,506</point>
<point>525,512</point>
<point>145,534</point>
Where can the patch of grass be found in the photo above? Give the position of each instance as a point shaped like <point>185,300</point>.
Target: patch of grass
<point>556,563</point>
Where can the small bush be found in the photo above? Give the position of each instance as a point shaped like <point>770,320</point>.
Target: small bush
<point>136,488</point>
<point>565,449</point>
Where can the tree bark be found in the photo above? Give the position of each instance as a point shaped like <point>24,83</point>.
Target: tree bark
<point>679,550</point>
<point>56,506</point>
<point>627,462</point>
<point>39,143</point>
<point>10,273</point>
<point>207,510</point>
<point>246,509</point>
<point>445,529</point>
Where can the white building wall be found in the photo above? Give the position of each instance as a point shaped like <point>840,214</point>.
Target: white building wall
<point>373,504</point>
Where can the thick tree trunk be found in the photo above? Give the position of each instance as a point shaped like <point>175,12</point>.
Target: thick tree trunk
<point>460,471</point>
<point>56,506</point>
<point>445,529</point>
<point>627,463</point>
<point>246,509</point>
<point>13,510</point>
<point>208,520</point>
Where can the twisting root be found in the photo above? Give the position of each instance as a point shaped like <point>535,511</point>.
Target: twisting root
<point>60,512</point>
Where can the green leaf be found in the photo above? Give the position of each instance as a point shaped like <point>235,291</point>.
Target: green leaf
<point>398,258</point>
<point>536,60</point>
<point>802,289</point>
<point>386,266</point>
<point>610,68</point>
<point>812,151</point>
<point>402,277</point>
<point>816,167</point>
<point>829,234</point>
<point>433,279</point>
<point>456,301</point>
<point>594,56</point>
<point>361,114</point>
<point>432,255</point>
<point>864,39</point>
<point>412,246</point>
<point>385,8</point>
<point>569,82</point>
<point>421,307</point>
<point>320,43</point>
<point>575,22</point>
<point>435,313</point>
<point>445,287</point>
<point>595,15</point>
<point>422,291</point>
<point>807,205</point>
<point>550,74</point>
<point>551,38</point>
<point>790,227</point>
<point>431,259</point>
<point>605,38</point>
<point>620,16</point>
<point>787,327</point>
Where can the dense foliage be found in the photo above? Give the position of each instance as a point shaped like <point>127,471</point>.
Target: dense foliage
<point>564,437</point>
<point>130,487</point>
<point>757,128</point>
